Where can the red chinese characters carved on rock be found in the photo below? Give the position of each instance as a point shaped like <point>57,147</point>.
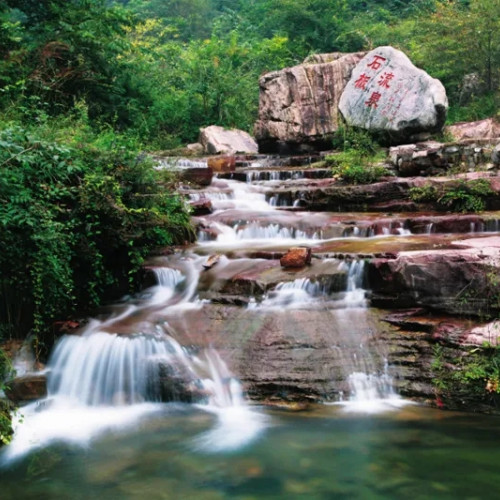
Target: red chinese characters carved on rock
<point>377,62</point>
<point>385,79</point>
<point>373,100</point>
<point>362,81</point>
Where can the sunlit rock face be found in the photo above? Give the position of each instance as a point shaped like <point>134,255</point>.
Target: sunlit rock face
<point>387,93</point>
<point>217,140</point>
<point>488,129</point>
<point>298,106</point>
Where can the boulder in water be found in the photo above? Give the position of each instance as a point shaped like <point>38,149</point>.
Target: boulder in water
<point>197,175</point>
<point>27,388</point>
<point>387,93</point>
<point>218,140</point>
<point>298,106</point>
<point>296,257</point>
<point>220,164</point>
<point>203,206</point>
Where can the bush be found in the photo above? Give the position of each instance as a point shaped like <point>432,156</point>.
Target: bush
<point>353,139</point>
<point>464,196</point>
<point>76,222</point>
<point>354,167</point>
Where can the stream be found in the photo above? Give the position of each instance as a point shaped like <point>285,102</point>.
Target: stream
<point>186,390</point>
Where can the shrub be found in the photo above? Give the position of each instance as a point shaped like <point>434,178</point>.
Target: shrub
<point>354,167</point>
<point>463,196</point>
<point>76,224</point>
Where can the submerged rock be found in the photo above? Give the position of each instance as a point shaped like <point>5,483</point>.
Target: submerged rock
<point>299,106</point>
<point>387,93</point>
<point>217,140</point>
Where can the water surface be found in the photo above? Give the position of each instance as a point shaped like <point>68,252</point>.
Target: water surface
<point>327,453</point>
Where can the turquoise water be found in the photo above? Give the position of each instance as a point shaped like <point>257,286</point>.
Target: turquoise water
<point>327,453</point>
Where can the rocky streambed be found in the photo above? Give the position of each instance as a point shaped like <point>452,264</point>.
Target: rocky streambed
<point>429,280</point>
<point>393,297</point>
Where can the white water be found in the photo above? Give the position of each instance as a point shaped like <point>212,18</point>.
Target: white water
<point>101,382</point>
<point>370,391</point>
<point>173,162</point>
<point>255,231</point>
<point>291,295</point>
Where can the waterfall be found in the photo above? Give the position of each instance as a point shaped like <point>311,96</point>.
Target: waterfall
<point>370,384</point>
<point>109,369</point>
<point>100,381</point>
<point>292,294</point>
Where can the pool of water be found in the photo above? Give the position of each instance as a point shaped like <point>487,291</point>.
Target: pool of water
<point>184,452</point>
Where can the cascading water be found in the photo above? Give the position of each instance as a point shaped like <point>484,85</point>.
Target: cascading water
<point>370,384</point>
<point>99,380</point>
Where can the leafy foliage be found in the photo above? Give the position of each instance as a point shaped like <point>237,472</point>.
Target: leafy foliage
<point>463,196</point>
<point>357,163</point>
<point>76,223</point>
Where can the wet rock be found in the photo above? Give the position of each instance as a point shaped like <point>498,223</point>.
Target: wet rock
<point>197,175</point>
<point>222,163</point>
<point>217,140</point>
<point>298,106</point>
<point>387,93</point>
<point>211,261</point>
<point>200,207</point>
<point>459,281</point>
<point>26,388</point>
<point>177,384</point>
<point>296,257</point>
<point>483,129</point>
<point>387,195</point>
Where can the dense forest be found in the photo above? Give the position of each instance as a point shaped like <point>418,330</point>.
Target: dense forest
<point>86,85</point>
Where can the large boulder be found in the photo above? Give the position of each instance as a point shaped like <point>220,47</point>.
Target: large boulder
<point>388,94</point>
<point>217,140</point>
<point>299,105</point>
<point>487,129</point>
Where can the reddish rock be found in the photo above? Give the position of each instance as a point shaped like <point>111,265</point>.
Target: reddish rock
<point>296,257</point>
<point>456,281</point>
<point>482,129</point>
<point>222,163</point>
<point>27,388</point>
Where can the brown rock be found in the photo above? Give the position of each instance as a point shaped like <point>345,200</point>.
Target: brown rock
<point>482,129</point>
<point>456,281</point>
<point>197,175</point>
<point>300,105</point>
<point>27,388</point>
<point>203,206</point>
<point>296,257</point>
<point>222,163</point>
